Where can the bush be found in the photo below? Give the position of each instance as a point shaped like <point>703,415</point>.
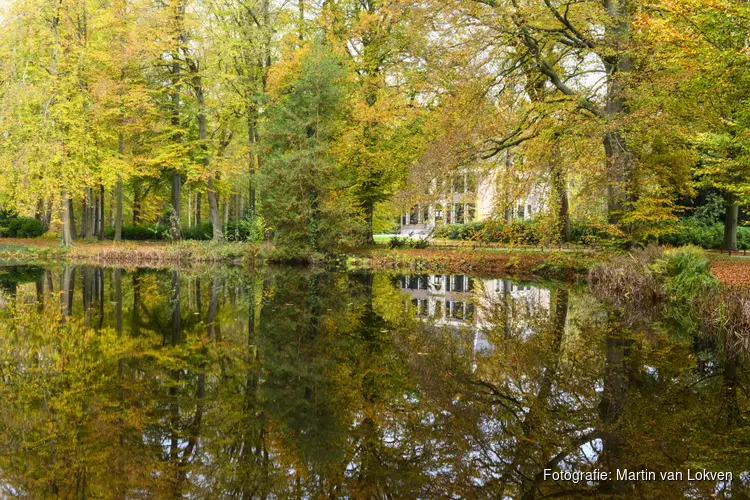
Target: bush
<point>460,231</point>
<point>200,232</point>
<point>594,232</point>
<point>27,227</point>
<point>140,232</point>
<point>397,242</point>
<point>693,231</point>
<point>684,271</point>
<point>421,243</point>
<point>13,226</point>
<point>248,229</point>
<point>524,232</point>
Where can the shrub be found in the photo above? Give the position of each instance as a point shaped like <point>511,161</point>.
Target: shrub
<point>684,271</point>
<point>200,232</point>
<point>140,232</point>
<point>248,229</point>
<point>692,231</point>
<point>13,226</point>
<point>420,243</point>
<point>596,232</point>
<point>523,232</point>
<point>27,227</point>
<point>396,242</point>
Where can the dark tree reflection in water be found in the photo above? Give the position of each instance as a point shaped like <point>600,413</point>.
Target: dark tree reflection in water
<point>294,383</point>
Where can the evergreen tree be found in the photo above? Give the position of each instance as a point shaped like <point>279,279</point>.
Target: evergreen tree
<point>305,198</point>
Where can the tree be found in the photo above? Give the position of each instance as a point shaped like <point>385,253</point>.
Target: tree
<point>382,139</point>
<point>560,45</point>
<point>305,200</point>
<point>703,64</point>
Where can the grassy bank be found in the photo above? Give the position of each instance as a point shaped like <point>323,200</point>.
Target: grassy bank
<point>487,262</point>
<point>522,263</point>
<point>127,253</point>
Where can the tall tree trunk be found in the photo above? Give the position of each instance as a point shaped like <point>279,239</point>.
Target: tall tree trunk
<point>179,49</point>
<point>730,223</point>
<point>90,214</point>
<point>190,210</point>
<point>39,212</point>
<point>118,209</point>
<point>197,208</point>
<point>506,188</point>
<point>47,217</point>
<point>100,230</point>
<point>84,214</point>
<point>619,172</point>
<point>227,204</point>
<point>561,191</point>
<point>254,160</point>
<point>174,220</point>
<point>67,220</point>
<point>136,203</point>
<point>619,159</point>
<point>369,220</point>
<point>213,205</point>
<point>72,218</point>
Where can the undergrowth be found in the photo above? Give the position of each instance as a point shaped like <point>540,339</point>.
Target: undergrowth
<point>677,286</point>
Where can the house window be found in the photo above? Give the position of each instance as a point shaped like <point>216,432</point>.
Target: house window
<point>437,283</point>
<point>458,183</point>
<point>459,283</point>
<point>426,215</point>
<point>459,310</point>
<point>414,215</point>
<point>471,182</point>
<point>438,214</point>
<point>438,309</point>
<point>520,212</point>
<point>471,209</point>
<point>420,306</point>
<point>459,208</point>
<point>528,210</point>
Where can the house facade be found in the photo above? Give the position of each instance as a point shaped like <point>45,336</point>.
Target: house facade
<point>470,196</point>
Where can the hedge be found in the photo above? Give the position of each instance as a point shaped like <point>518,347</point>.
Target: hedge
<point>13,226</point>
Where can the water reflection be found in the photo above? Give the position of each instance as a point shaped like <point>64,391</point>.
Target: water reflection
<point>296,383</point>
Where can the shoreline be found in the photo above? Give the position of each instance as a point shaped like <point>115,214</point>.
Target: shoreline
<point>522,263</point>
<point>527,263</point>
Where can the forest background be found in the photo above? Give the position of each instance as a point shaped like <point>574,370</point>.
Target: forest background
<point>314,124</point>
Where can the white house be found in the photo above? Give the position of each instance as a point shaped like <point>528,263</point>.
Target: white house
<point>472,195</point>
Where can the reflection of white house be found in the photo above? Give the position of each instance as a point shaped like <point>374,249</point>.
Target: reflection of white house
<point>469,196</point>
<point>462,301</point>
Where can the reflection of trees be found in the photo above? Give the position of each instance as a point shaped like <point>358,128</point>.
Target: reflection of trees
<point>306,383</point>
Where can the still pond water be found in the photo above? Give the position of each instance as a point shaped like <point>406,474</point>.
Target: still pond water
<point>292,383</point>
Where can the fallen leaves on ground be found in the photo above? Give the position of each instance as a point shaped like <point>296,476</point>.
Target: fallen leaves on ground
<point>734,272</point>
